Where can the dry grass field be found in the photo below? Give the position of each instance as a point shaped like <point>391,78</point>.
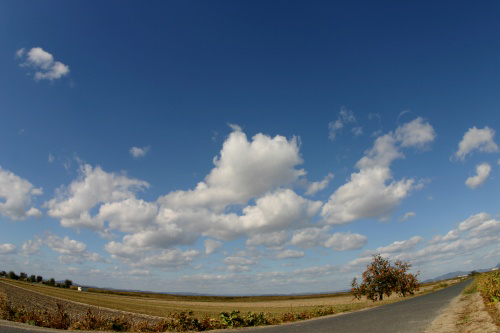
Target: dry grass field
<point>162,305</point>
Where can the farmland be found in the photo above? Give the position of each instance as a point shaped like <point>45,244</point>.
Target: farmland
<point>162,305</point>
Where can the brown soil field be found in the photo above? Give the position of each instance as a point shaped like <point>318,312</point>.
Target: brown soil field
<point>20,297</point>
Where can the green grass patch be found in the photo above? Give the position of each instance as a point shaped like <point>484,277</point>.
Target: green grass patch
<point>471,288</point>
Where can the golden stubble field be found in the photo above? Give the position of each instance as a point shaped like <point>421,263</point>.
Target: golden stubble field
<point>162,304</point>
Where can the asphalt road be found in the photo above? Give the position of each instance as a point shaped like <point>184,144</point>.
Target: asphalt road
<point>409,316</point>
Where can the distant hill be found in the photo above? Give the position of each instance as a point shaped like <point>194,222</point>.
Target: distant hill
<point>458,273</point>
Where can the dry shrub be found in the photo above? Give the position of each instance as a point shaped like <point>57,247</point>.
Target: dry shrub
<point>89,322</point>
<point>489,285</point>
<point>5,309</point>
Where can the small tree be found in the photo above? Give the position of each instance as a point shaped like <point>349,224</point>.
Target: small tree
<point>68,283</point>
<point>32,279</point>
<point>3,273</point>
<point>13,276</point>
<point>406,283</point>
<point>52,282</point>
<point>380,278</point>
<point>39,279</point>
<point>23,276</point>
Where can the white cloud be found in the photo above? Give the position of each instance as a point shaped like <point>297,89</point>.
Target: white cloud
<point>365,195</point>
<point>334,127</point>
<point>402,113</point>
<point>416,133</point>
<point>476,139</point>
<point>481,225</point>
<point>280,210</point>
<point>238,264</point>
<point>482,172</point>
<point>474,221</point>
<point>290,254</point>
<point>81,258</point>
<point>235,128</point>
<point>160,237</point>
<point>137,152</point>
<point>140,272</point>
<point>71,250</point>
<point>346,241</point>
<point>476,232</point>
<point>451,235</point>
<point>172,258</point>
<point>407,216</point>
<point>243,170</point>
<point>65,245</point>
<point>94,186</point>
<point>315,187</point>
<point>123,251</point>
<point>269,239</point>
<point>357,131</point>
<point>129,215</point>
<point>399,246</point>
<point>371,192</point>
<point>51,158</point>
<point>488,228</point>
<point>16,194</point>
<point>345,116</point>
<point>7,249</point>
<point>452,249</point>
<point>44,64</point>
<point>211,246</point>
<point>169,258</point>
<point>238,261</point>
<point>20,52</point>
<point>382,154</point>
<point>309,237</point>
<point>31,247</point>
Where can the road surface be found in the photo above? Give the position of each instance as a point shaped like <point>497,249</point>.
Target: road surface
<point>409,316</point>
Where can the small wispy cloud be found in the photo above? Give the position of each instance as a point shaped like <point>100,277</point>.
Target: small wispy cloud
<point>345,117</point>
<point>482,172</point>
<point>137,152</point>
<point>46,68</point>
<point>407,216</point>
<point>477,139</point>
<point>314,187</point>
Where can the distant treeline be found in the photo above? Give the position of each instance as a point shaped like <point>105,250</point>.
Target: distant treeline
<point>35,279</point>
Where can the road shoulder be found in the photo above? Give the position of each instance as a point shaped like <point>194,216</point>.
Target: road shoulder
<point>466,313</point>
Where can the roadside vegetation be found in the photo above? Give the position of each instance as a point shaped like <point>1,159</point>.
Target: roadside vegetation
<point>488,285</point>
<point>477,309</point>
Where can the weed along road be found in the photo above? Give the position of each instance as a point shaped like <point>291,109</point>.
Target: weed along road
<point>412,315</point>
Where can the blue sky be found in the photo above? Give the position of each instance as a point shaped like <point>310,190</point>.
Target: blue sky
<point>247,147</point>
